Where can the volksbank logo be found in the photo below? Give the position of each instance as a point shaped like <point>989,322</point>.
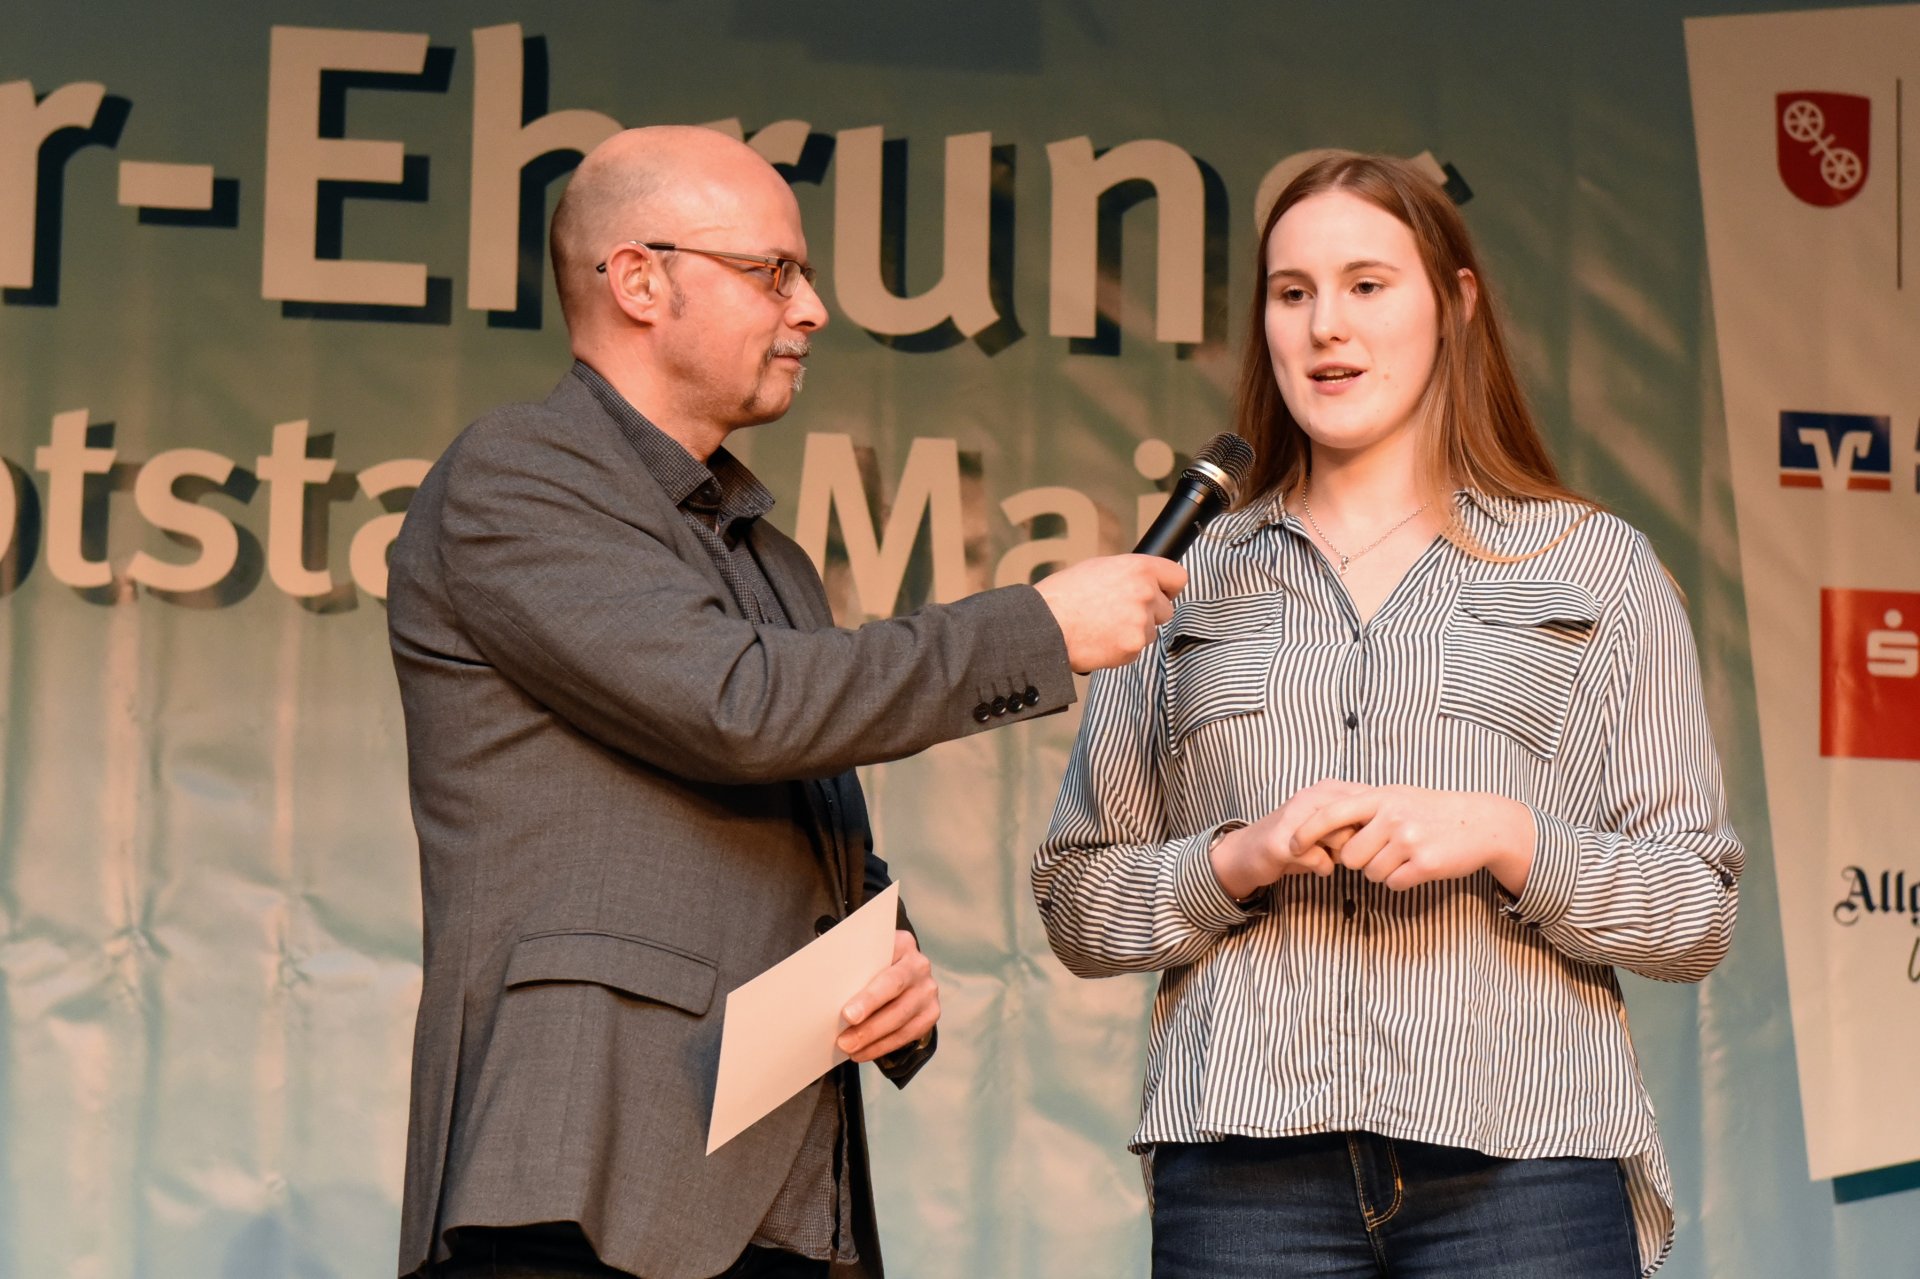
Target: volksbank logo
<point>1836,451</point>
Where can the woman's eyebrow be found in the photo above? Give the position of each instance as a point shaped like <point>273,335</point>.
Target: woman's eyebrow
<point>1358,264</point>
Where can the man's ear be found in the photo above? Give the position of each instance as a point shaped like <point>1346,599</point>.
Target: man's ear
<point>634,282</point>
<point>1469,293</point>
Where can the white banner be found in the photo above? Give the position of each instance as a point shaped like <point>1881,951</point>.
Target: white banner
<point>1815,268</point>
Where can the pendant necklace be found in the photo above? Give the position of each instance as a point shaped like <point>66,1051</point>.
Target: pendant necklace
<point>1344,558</point>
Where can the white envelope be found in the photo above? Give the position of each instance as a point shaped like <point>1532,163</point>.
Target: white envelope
<point>779,1028</point>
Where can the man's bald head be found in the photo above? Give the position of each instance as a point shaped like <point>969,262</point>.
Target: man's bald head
<point>652,184</point>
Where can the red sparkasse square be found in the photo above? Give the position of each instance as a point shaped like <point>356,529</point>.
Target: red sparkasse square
<point>1869,674</point>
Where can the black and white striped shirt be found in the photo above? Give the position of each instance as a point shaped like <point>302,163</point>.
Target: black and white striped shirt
<point>1450,1013</point>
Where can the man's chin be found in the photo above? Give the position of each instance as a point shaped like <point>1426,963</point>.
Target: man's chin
<point>765,408</point>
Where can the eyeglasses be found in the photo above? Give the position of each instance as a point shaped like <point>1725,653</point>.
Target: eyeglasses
<point>787,273</point>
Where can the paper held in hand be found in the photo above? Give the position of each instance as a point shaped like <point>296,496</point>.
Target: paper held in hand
<point>779,1028</point>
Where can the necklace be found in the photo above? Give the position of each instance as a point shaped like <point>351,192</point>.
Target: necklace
<point>1346,559</point>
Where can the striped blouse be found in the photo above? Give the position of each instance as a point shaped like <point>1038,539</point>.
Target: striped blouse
<point>1450,1013</point>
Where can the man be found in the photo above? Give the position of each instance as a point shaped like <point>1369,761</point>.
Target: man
<point>630,725</point>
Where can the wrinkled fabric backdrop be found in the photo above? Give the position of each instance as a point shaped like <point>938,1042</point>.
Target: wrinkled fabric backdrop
<point>209,912</point>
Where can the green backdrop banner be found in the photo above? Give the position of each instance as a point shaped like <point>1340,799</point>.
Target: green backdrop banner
<point>261,263</point>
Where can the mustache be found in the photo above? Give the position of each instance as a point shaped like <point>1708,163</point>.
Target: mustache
<point>798,348</point>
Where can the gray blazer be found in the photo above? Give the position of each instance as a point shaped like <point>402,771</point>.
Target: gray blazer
<point>606,764</point>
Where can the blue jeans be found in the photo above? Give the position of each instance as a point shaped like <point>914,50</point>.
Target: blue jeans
<point>1361,1206</point>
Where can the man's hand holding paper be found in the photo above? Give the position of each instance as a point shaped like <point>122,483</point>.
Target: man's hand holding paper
<point>790,1025</point>
<point>898,1008</point>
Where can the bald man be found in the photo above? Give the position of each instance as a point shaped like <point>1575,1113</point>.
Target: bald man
<point>631,725</point>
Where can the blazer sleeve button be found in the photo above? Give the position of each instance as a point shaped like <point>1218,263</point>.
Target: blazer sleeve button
<point>983,712</point>
<point>999,706</point>
<point>822,924</point>
<point>1032,696</point>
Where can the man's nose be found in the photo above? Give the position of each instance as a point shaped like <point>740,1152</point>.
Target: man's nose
<point>805,310</point>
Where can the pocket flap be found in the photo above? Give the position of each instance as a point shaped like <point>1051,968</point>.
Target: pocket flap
<point>631,965</point>
<point>1512,658</point>
<point>1564,605</point>
<point>1220,655</point>
<point>1237,617</point>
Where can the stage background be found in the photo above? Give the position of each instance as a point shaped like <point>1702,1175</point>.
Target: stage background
<point>209,930</point>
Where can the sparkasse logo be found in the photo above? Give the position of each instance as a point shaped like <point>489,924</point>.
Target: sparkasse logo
<point>1869,674</point>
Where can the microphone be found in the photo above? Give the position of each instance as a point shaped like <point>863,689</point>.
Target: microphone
<point>1206,488</point>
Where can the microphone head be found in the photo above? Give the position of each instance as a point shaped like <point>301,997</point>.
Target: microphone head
<point>1224,462</point>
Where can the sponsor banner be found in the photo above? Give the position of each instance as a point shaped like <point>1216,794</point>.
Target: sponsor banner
<point>1809,201</point>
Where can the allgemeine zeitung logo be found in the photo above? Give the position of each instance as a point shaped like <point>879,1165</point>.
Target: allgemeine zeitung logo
<point>1879,899</point>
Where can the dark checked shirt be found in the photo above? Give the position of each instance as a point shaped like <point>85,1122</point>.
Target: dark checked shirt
<point>1452,1012</point>
<point>812,1214</point>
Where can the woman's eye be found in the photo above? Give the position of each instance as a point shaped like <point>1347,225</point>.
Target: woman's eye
<point>1292,293</point>
<point>1366,288</point>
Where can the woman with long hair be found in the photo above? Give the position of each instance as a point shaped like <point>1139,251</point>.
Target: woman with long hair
<point>1421,758</point>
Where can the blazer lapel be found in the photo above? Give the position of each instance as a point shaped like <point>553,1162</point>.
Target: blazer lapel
<point>838,807</point>
<point>791,574</point>
<point>573,399</point>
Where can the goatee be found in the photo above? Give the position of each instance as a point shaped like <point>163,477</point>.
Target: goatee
<point>797,348</point>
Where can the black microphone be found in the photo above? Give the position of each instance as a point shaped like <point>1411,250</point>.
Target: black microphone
<point>1206,488</point>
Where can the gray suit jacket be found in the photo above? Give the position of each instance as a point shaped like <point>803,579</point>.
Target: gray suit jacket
<point>604,757</point>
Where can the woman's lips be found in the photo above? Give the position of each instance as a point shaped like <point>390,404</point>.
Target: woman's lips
<point>1335,380</point>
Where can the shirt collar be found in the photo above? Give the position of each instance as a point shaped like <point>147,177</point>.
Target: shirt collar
<point>723,489</point>
<point>1239,526</point>
<point>1501,510</point>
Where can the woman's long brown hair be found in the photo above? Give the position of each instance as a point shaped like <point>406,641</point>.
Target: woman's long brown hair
<point>1481,433</point>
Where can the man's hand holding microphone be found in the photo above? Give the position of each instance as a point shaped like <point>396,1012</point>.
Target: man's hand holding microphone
<point>1110,607</point>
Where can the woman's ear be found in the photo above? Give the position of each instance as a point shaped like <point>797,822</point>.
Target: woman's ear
<point>1469,293</point>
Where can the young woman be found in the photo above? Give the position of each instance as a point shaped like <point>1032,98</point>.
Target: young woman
<point>1419,761</point>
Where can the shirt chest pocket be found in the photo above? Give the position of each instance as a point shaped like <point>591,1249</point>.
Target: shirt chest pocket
<point>1219,657</point>
<point>1512,655</point>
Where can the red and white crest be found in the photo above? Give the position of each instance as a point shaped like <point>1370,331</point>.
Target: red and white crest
<point>1822,144</point>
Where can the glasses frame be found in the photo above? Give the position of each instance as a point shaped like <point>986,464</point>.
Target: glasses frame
<point>787,272</point>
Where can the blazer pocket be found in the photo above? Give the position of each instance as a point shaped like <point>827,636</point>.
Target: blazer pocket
<point>1219,657</point>
<point>630,965</point>
<point>1511,656</point>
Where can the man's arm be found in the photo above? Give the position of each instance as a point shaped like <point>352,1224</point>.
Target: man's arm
<point>593,612</point>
